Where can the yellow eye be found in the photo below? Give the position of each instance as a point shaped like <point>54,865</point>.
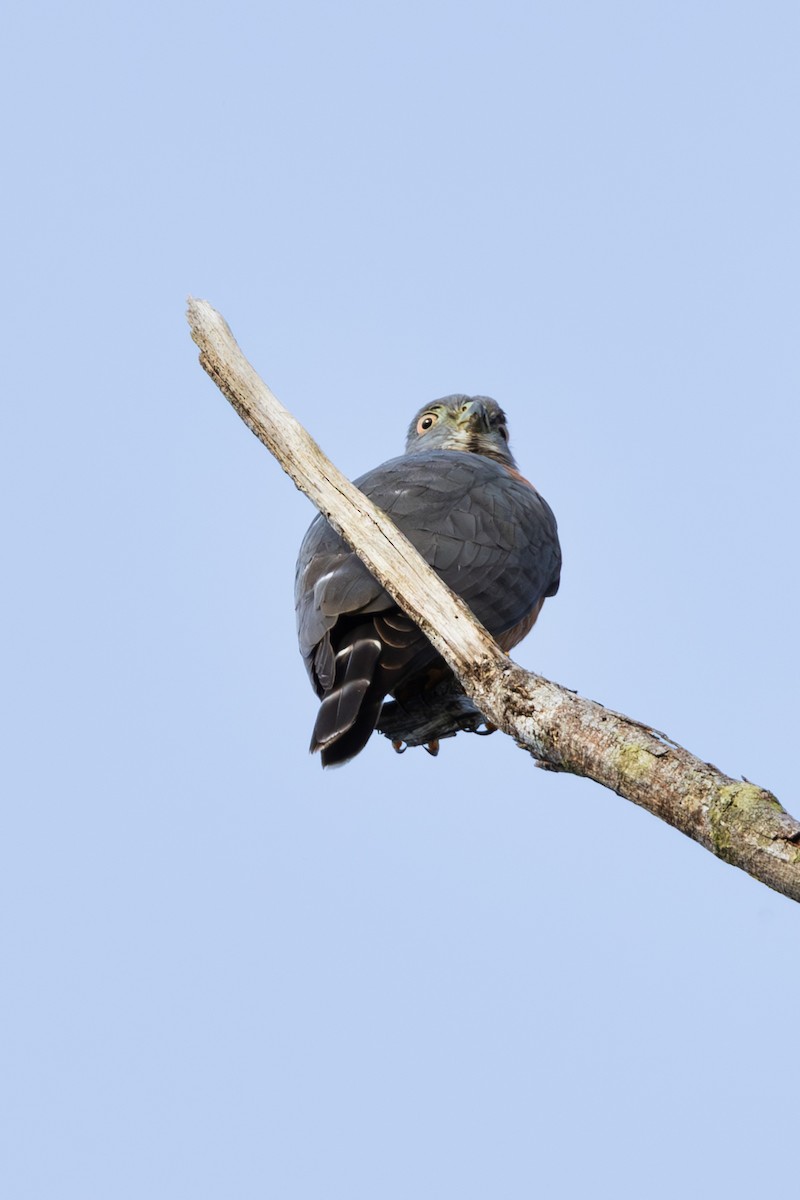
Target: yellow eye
<point>425,422</point>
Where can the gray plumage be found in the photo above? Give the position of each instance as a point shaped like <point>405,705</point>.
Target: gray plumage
<point>484,529</point>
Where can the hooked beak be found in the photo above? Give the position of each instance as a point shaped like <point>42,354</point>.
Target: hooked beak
<point>473,417</point>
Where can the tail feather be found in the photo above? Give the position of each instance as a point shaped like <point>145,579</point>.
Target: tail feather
<point>351,743</point>
<point>354,670</point>
<point>372,658</point>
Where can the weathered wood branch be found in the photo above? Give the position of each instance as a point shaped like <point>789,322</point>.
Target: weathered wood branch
<point>734,819</point>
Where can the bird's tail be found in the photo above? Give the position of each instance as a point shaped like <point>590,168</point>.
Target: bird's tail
<point>348,712</point>
<point>372,658</point>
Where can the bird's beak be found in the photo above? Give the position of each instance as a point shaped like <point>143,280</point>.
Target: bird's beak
<point>473,417</point>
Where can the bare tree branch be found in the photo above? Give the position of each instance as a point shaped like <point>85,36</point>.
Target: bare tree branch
<point>734,819</point>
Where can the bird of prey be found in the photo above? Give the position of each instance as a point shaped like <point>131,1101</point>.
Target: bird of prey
<point>457,495</point>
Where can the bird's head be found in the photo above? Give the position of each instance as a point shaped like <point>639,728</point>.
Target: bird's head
<point>474,424</point>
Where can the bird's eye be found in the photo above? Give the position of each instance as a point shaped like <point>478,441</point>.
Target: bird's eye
<point>426,421</point>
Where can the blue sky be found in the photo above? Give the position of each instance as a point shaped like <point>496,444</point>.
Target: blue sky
<point>226,973</point>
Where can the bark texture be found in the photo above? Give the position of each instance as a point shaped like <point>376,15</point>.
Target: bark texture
<point>736,820</point>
